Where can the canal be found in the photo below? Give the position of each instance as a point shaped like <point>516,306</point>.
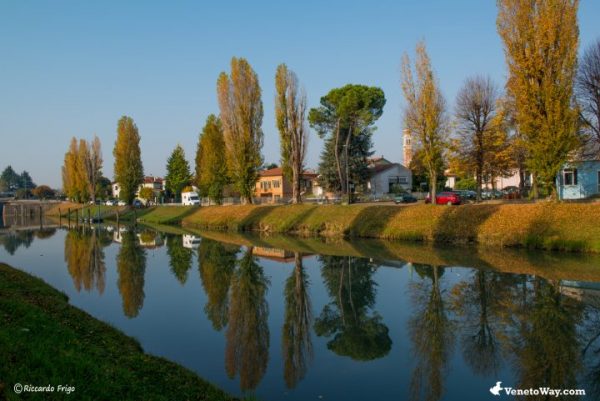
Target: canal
<point>305,319</point>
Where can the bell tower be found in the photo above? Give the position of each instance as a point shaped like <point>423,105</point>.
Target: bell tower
<point>407,147</point>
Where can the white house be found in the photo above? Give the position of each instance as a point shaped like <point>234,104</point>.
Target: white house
<point>387,176</point>
<point>157,184</point>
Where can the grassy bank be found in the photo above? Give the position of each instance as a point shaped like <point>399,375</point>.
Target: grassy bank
<point>160,214</point>
<point>552,226</point>
<point>551,266</point>
<point>44,340</point>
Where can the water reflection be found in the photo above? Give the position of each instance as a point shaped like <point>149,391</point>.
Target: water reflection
<point>84,256</point>
<point>247,349</point>
<point>217,263</point>
<point>357,329</point>
<point>131,266</point>
<point>480,324</point>
<point>180,257</point>
<point>297,349</point>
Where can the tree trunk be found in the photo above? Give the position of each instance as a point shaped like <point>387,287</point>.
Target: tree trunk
<point>479,181</point>
<point>534,186</point>
<point>347,183</point>
<point>296,174</point>
<point>521,181</point>
<point>433,187</point>
<point>337,156</point>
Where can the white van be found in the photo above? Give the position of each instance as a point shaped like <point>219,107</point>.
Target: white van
<point>189,199</point>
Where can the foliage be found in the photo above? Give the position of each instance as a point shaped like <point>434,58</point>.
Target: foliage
<point>540,43</point>
<point>290,115</point>
<point>92,162</point>
<point>9,180</point>
<point>131,266</point>
<point>43,192</point>
<point>178,172</point>
<point>22,193</point>
<point>146,194</point>
<point>295,335</point>
<point>345,118</point>
<point>81,349</point>
<point>217,263</point>
<point>425,113</point>
<point>180,258</point>
<point>247,348</point>
<point>241,107</point>
<point>421,173</point>
<point>211,162</point>
<point>346,318</point>
<point>129,171</point>
<point>468,183</point>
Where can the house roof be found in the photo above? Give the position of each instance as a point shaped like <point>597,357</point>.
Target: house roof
<point>278,172</point>
<point>150,180</point>
<point>379,168</point>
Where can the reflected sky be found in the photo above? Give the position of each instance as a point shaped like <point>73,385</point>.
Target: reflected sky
<point>285,318</point>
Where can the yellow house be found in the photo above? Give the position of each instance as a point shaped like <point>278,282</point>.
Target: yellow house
<point>272,186</point>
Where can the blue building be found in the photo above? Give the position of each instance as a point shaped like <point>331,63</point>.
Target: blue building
<point>580,178</point>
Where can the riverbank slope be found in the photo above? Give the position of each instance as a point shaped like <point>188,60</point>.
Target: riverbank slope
<point>44,340</point>
<point>544,225</point>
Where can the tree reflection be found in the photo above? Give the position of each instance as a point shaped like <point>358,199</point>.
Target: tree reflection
<point>431,331</point>
<point>296,341</point>
<point>13,241</point>
<point>180,258</point>
<point>247,349</point>
<point>355,333</point>
<point>477,303</point>
<point>84,256</point>
<point>131,265</point>
<point>216,263</point>
<point>547,348</point>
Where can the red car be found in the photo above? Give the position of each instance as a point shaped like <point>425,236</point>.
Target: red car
<point>445,198</point>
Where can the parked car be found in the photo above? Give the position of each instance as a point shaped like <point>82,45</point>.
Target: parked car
<point>405,198</point>
<point>466,194</point>
<point>491,194</point>
<point>137,203</point>
<point>121,203</point>
<point>445,198</point>
<point>110,202</point>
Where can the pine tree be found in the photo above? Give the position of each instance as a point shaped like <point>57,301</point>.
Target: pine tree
<point>241,109</point>
<point>129,171</point>
<point>211,165</point>
<point>346,117</point>
<point>178,172</point>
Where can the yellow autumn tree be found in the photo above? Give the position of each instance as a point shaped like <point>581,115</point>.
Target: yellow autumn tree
<point>540,44</point>
<point>425,113</point>
<point>241,109</point>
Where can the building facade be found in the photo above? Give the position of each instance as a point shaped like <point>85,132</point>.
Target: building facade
<point>157,184</point>
<point>579,180</point>
<point>272,186</point>
<point>387,177</point>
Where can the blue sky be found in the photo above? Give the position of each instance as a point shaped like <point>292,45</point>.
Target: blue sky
<point>73,68</point>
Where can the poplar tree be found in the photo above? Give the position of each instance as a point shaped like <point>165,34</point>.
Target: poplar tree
<point>241,108</point>
<point>178,172</point>
<point>129,171</point>
<point>211,165</point>
<point>425,113</point>
<point>93,167</point>
<point>290,115</point>
<point>540,44</point>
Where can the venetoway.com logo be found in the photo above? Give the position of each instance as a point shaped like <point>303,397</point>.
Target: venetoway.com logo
<point>552,392</point>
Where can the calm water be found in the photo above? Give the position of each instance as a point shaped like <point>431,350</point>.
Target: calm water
<point>291,319</point>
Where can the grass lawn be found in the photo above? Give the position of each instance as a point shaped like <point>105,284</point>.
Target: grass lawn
<point>543,225</point>
<point>44,340</point>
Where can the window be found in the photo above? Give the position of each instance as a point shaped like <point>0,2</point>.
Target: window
<point>265,185</point>
<point>275,183</point>
<point>570,176</point>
